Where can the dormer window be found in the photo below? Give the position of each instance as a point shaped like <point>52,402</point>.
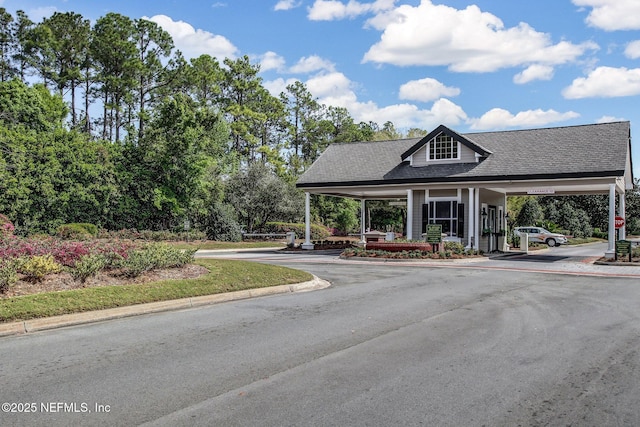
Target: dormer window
<point>443,147</point>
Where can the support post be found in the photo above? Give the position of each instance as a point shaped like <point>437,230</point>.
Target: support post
<point>409,214</point>
<point>476,214</point>
<point>363,220</point>
<point>622,213</point>
<point>611,250</point>
<point>307,222</point>
<point>471,220</point>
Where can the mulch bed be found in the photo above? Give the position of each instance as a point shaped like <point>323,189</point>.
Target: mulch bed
<point>64,281</point>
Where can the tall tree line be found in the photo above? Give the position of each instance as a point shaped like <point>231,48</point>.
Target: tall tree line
<point>108,123</point>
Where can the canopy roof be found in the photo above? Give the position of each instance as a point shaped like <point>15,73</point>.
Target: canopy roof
<point>571,160</point>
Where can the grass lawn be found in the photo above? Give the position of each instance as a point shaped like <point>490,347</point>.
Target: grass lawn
<point>210,244</point>
<point>223,276</point>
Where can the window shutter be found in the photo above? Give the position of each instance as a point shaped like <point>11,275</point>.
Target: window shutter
<point>425,217</point>
<point>461,220</point>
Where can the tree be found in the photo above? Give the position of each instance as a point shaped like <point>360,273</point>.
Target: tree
<point>50,175</point>
<point>530,213</point>
<point>154,45</point>
<point>303,113</point>
<point>22,28</point>
<point>387,133</point>
<point>164,174</point>
<point>202,79</point>
<point>68,45</point>
<point>241,90</point>
<point>115,56</point>
<point>259,196</point>
<point>6,42</point>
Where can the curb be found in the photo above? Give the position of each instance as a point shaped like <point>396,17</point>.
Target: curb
<point>34,325</point>
<point>417,260</point>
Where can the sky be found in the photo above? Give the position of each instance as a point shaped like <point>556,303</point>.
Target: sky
<point>480,65</point>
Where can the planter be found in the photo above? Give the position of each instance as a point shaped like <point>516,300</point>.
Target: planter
<point>399,247</point>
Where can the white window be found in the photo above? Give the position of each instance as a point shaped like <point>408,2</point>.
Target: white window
<point>448,213</point>
<point>443,147</point>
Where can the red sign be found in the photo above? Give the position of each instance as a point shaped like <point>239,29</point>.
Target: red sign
<point>619,222</point>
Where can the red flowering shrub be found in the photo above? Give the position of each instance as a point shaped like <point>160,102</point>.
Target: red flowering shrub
<point>64,252</point>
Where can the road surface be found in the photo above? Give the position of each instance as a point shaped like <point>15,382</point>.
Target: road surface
<point>387,344</point>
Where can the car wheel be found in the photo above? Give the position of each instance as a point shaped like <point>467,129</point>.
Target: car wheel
<point>551,242</point>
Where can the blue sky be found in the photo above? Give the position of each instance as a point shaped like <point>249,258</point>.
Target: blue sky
<point>471,65</point>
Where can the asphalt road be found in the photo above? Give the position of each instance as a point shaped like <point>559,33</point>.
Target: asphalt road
<point>387,344</point>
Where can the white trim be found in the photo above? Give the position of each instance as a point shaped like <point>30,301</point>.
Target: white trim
<point>471,220</point>
<point>409,214</point>
<point>307,222</point>
<point>363,219</point>
<point>476,207</point>
<point>622,213</point>
<point>612,222</point>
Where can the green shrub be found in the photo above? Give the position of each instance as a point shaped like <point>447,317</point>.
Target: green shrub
<point>153,256</point>
<point>454,247</point>
<point>597,233</point>
<point>8,273</point>
<point>38,266</point>
<point>88,266</point>
<point>76,231</point>
<point>318,232</point>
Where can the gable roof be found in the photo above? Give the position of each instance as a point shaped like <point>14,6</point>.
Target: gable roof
<point>597,150</point>
<point>445,130</point>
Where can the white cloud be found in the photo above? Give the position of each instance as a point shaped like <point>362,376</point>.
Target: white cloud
<point>499,118</point>
<point>286,5</point>
<point>335,89</point>
<point>467,40</point>
<point>311,64</point>
<point>329,10</point>
<point>425,90</point>
<point>633,50</point>
<point>194,43</point>
<point>271,61</point>
<point>611,15</point>
<point>277,86</point>
<point>605,82</point>
<point>534,72</point>
<point>39,13</point>
<point>609,119</point>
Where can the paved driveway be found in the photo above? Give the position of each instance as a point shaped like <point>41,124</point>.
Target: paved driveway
<point>577,260</point>
<point>387,344</point>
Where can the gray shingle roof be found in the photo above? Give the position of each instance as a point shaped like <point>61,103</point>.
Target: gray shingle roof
<point>595,150</point>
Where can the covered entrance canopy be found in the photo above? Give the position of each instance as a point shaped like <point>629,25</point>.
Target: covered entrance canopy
<point>478,170</point>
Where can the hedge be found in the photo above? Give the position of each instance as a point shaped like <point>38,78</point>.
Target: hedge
<point>318,232</point>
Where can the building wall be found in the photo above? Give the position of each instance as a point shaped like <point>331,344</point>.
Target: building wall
<point>487,198</point>
<point>467,155</point>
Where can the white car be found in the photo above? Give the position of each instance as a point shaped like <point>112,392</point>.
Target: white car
<point>540,235</point>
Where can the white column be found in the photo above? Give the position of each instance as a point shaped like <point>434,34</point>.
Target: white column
<point>307,222</point>
<point>409,214</point>
<point>621,212</point>
<point>363,219</point>
<point>504,225</point>
<point>471,220</point>
<point>612,225</point>
<point>477,221</point>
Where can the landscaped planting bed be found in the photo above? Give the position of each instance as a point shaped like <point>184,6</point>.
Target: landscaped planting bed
<point>399,246</point>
